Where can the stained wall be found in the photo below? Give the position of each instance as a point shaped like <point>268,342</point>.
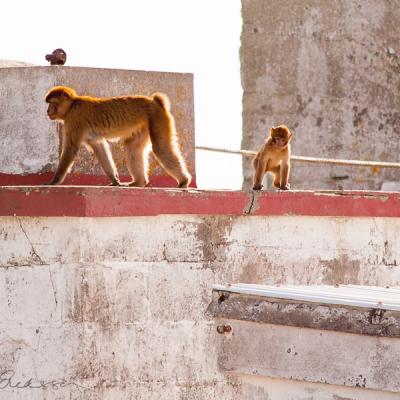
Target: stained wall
<point>116,307</point>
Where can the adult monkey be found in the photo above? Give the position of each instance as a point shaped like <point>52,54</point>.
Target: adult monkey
<point>142,123</point>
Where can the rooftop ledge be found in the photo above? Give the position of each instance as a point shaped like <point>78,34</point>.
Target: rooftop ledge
<point>103,201</point>
<point>365,310</point>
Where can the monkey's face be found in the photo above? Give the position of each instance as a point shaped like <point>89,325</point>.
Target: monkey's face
<point>57,57</point>
<point>58,108</point>
<point>60,99</point>
<point>280,136</point>
<point>281,142</point>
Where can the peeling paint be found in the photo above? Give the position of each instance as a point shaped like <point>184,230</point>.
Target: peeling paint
<point>119,307</point>
<point>342,270</point>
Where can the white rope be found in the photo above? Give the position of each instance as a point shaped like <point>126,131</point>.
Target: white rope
<point>315,160</point>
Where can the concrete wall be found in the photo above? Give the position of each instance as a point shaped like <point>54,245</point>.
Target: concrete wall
<point>330,71</point>
<point>257,339</point>
<point>115,308</point>
<point>14,63</point>
<point>30,140</point>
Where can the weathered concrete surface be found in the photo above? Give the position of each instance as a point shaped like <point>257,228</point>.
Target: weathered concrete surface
<point>260,388</point>
<point>311,355</point>
<point>330,71</point>
<point>303,314</point>
<point>115,308</point>
<point>31,139</point>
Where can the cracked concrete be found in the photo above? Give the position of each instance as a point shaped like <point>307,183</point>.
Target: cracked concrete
<point>252,206</point>
<point>35,256</point>
<point>119,304</point>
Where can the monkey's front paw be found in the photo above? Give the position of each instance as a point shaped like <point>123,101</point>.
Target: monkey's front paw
<point>257,187</point>
<point>287,187</point>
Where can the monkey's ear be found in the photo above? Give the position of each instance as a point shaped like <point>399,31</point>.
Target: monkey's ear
<point>290,135</point>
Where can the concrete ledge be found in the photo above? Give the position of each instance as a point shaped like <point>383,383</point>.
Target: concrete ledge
<point>92,201</point>
<point>340,318</point>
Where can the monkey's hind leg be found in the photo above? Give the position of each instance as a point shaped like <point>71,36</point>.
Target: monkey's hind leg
<point>101,150</point>
<point>166,151</point>
<point>137,149</point>
<point>276,172</point>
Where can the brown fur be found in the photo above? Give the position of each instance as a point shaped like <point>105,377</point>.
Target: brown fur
<point>142,123</point>
<point>57,57</point>
<point>274,157</point>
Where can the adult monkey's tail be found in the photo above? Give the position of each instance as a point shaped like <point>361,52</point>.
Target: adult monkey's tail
<point>163,100</point>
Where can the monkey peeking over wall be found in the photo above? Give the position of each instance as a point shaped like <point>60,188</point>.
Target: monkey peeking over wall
<point>142,123</point>
<point>57,57</point>
<point>274,157</point>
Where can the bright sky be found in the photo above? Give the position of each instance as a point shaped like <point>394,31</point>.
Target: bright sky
<point>198,36</point>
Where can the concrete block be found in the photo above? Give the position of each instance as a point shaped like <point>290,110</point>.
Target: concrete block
<point>310,355</point>
<point>32,241</point>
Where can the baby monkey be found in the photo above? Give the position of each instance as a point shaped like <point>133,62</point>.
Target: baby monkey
<point>274,157</point>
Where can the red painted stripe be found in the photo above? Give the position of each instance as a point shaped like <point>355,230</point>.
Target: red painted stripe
<point>81,179</point>
<point>347,203</point>
<point>124,201</point>
<point>26,201</point>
